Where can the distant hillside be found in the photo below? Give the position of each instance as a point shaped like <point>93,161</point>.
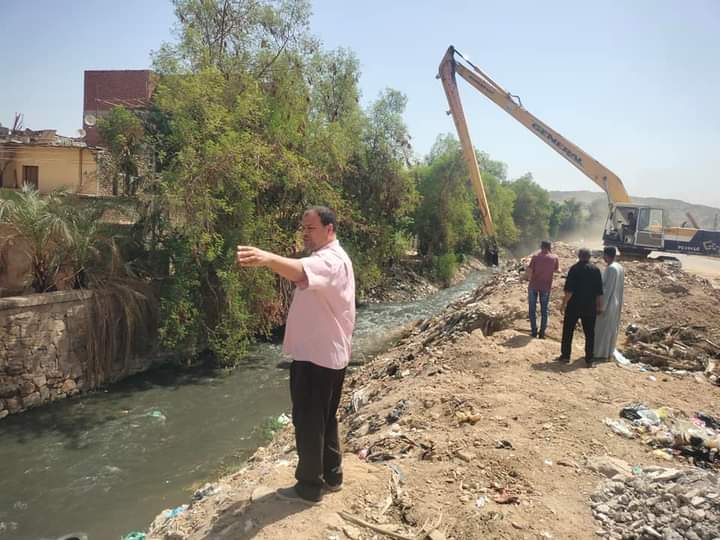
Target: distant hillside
<point>674,209</point>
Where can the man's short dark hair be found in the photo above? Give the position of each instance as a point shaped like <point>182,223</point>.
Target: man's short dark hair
<point>545,244</point>
<point>327,216</point>
<point>584,254</point>
<point>610,251</point>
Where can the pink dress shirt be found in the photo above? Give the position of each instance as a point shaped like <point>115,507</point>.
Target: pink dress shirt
<point>322,314</point>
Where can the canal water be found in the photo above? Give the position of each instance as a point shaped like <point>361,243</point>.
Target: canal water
<point>107,463</point>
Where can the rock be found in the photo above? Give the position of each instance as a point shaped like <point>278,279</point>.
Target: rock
<point>609,466</point>
<point>603,509</point>
<point>13,404</point>
<point>68,386</point>
<point>26,388</point>
<point>666,475</point>
<point>32,400</point>
<point>697,501</point>
<point>40,381</point>
<point>363,430</point>
<point>465,455</point>
<point>351,532</point>
<point>8,390</point>
<point>4,413</point>
<point>436,535</point>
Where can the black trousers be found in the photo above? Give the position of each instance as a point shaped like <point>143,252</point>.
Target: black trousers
<point>315,393</point>
<point>588,325</point>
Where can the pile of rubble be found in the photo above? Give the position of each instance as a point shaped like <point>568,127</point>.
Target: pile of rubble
<point>674,347</point>
<point>466,315</point>
<point>654,502</point>
<point>667,276</point>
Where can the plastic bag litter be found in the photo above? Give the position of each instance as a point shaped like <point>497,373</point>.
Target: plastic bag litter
<point>620,427</point>
<point>175,512</point>
<point>157,414</point>
<point>620,358</point>
<point>710,421</point>
<point>642,415</point>
<point>135,535</point>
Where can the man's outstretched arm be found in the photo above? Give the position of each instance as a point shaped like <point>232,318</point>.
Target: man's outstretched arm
<point>290,269</point>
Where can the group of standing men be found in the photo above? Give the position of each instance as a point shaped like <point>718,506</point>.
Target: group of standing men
<point>592,297</point>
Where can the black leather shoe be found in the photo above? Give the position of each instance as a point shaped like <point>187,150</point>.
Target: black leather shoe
<point>291,494</point>
<point>332,488</point>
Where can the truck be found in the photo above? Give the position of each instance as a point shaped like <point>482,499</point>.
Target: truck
<point>632,228</point>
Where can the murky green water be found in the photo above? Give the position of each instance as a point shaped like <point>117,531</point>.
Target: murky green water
<point>107,463</point>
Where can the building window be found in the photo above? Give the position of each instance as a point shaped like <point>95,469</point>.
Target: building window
<point>30,175</point>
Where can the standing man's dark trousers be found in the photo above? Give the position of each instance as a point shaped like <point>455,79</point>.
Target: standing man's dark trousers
<point>315,393</point>
<point>588,325</point>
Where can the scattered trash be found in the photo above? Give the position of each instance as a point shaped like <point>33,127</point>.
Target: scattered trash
<point>711,422</point>
<point>652,378</point>
<point>397,471</point>
<point>620,359</point>
<point>548,462</point>
<point>619,427</point>
<point>397,411</point>
<point>135,535</point>
<point>363,453</point>
<point>157,414</point>
<point>283,419</point>
<point>481,501</point>
<point>670,434</point>
<point>504,444</point>
<point>674,348</point>
<point>359,399</point>
<point>208,490</point>
<point>175,512</point>
<point>643,415</point>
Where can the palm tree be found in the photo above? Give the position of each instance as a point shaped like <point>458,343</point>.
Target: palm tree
<point>39,227</point>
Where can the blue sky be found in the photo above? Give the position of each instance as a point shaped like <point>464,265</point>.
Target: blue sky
<point>633,83</point>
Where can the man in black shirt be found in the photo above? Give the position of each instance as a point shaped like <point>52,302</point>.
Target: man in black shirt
<point>583,300</point>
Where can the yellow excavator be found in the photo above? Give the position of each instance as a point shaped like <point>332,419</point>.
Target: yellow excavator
<point>632,228</point>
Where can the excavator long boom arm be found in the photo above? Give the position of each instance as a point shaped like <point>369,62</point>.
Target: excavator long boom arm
<point>589,166</point>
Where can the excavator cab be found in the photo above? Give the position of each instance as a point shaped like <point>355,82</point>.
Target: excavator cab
<point>634,228</point>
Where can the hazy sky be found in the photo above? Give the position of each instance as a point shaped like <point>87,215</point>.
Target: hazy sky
<point>634,83</point>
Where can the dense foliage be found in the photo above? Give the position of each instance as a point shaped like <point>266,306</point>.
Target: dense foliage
<point>252,121</point>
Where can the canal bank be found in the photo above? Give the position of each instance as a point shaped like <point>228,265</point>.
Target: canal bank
<point>105,463</point>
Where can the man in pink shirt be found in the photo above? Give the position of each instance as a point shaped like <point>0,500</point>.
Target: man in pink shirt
<point>318,337</point>
<point>541,269</point>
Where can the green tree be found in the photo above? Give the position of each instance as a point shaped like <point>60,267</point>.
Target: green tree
<point>568,217</point>
<point>123,133</point>
<point>532,210</point>
<point>36,223</point>
<point>446,219</point>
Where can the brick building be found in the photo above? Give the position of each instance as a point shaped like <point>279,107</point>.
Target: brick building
<point>105,89</point>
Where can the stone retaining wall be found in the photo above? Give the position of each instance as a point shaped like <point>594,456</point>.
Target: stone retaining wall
<point>44,349</point>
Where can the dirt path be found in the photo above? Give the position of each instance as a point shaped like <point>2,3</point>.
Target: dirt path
<point>472,436</point>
